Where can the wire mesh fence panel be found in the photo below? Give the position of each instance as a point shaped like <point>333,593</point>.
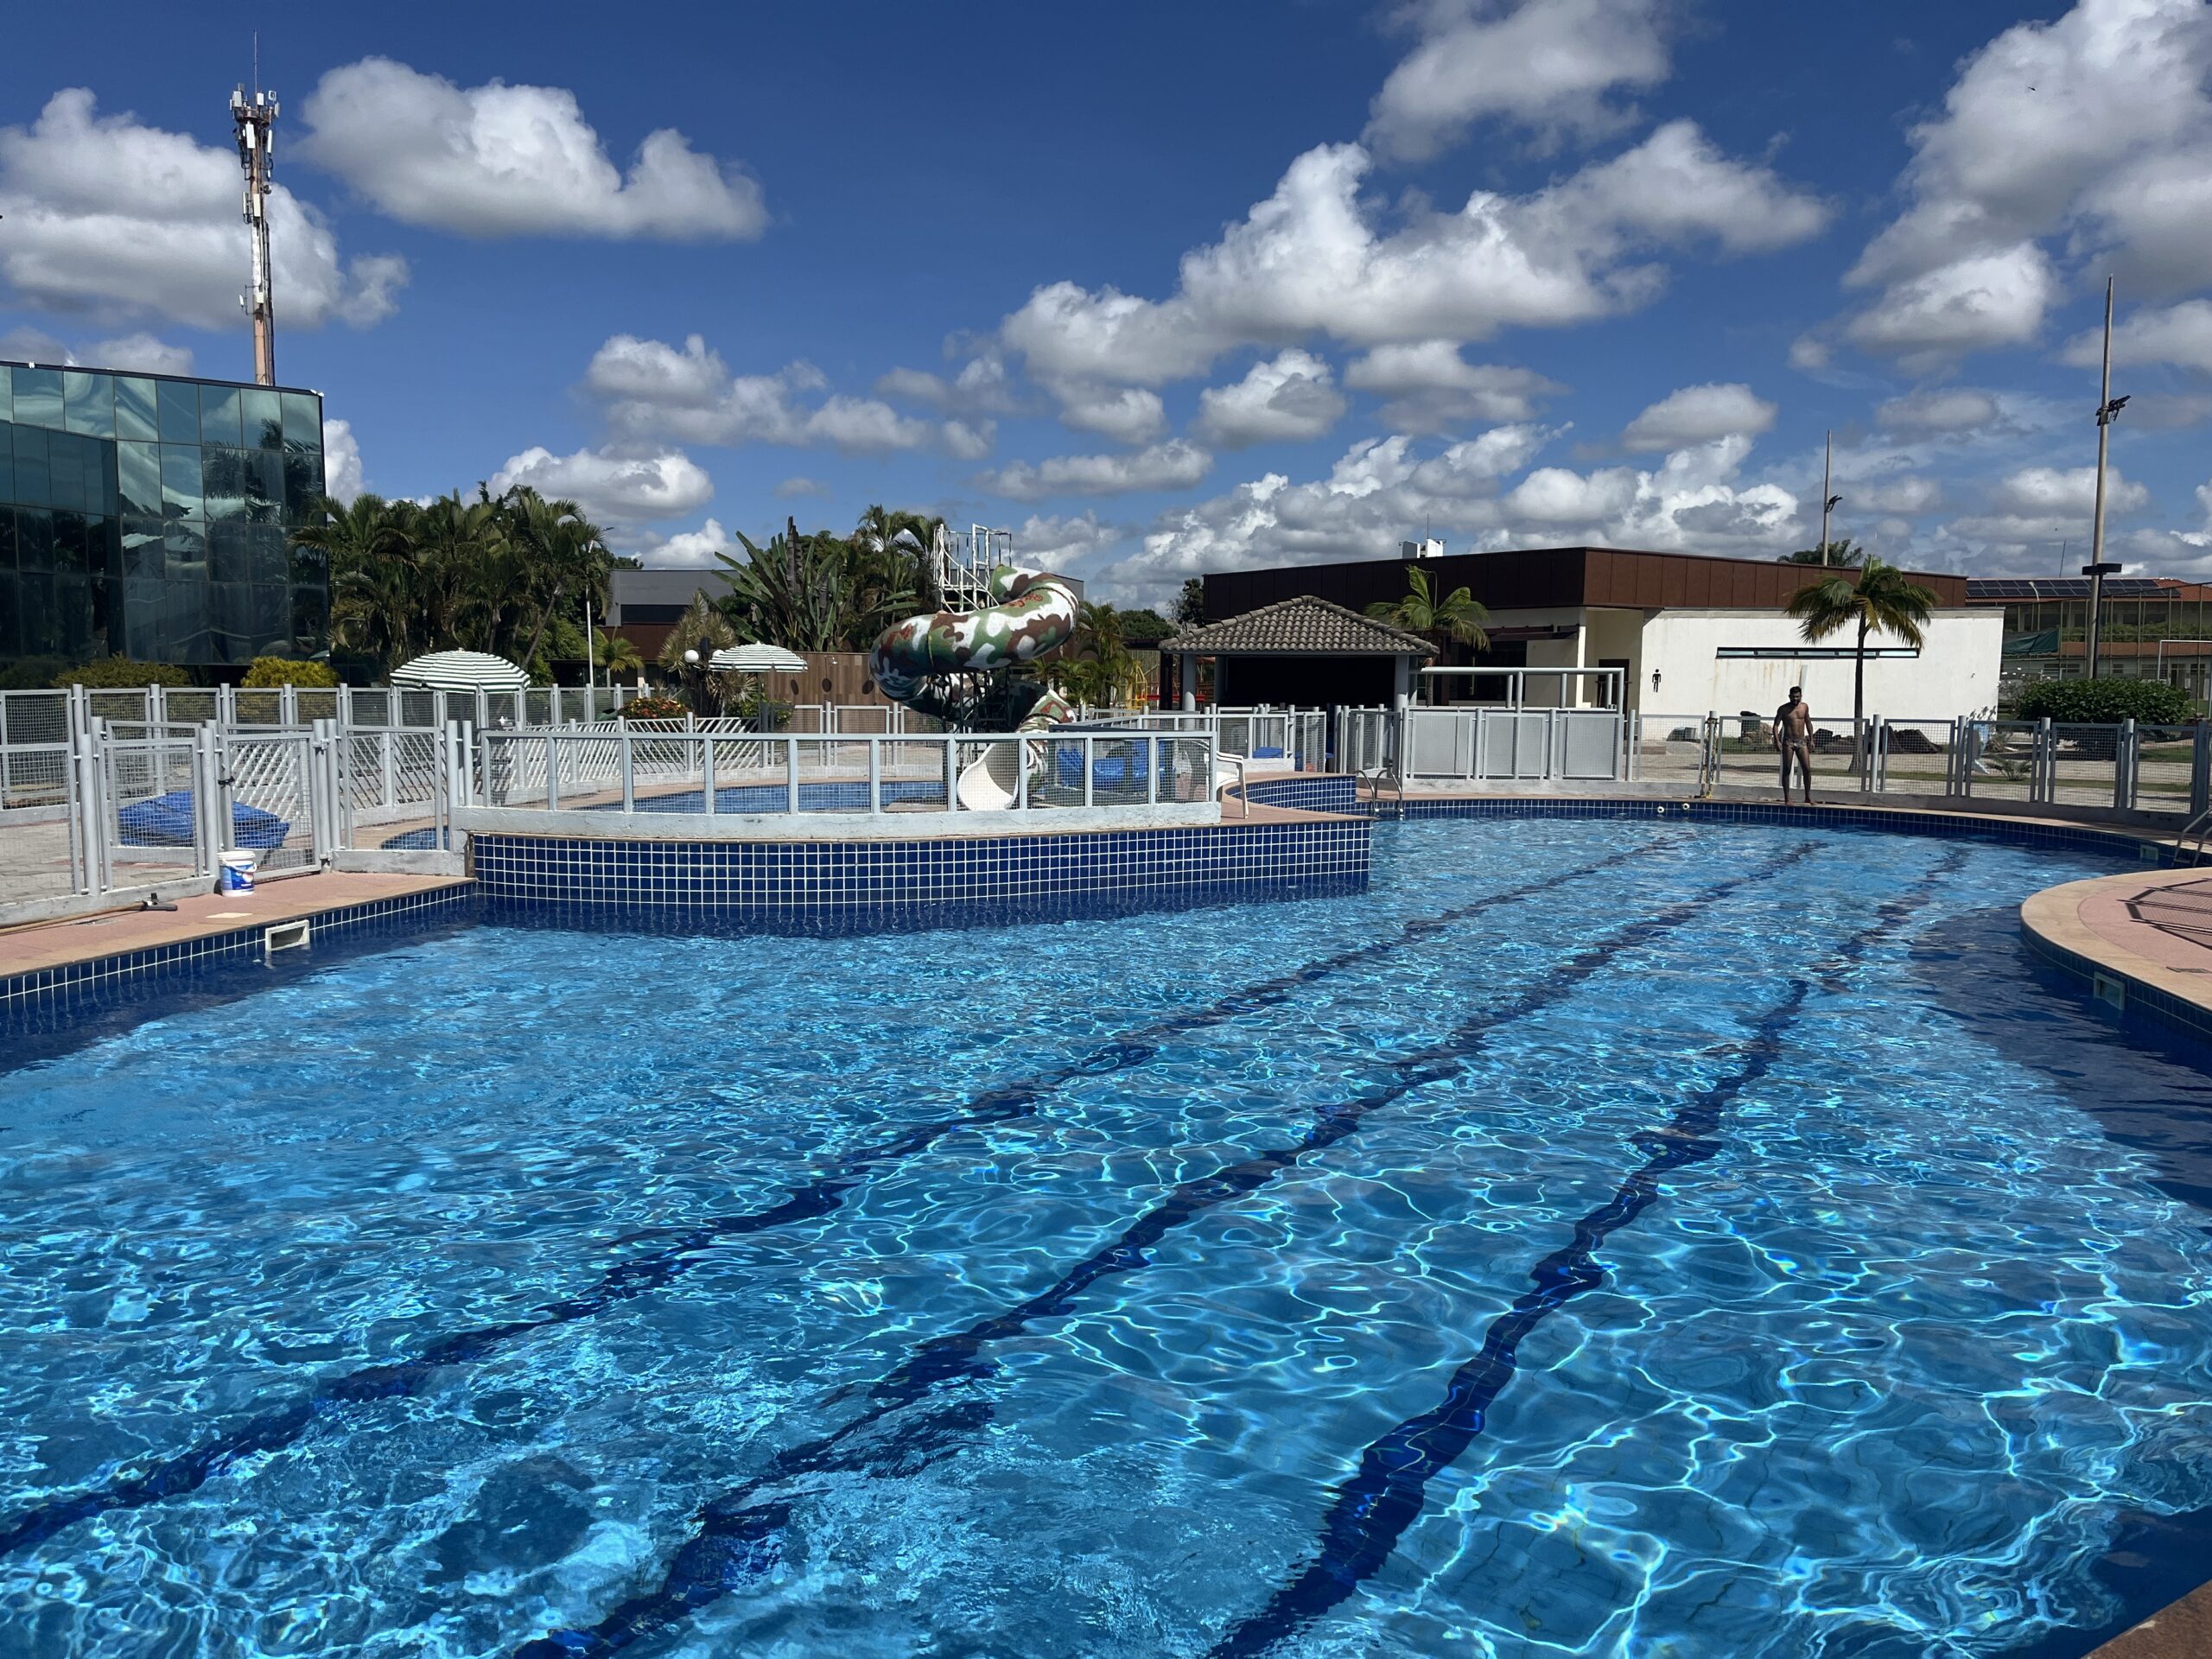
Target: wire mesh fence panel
<point>1914,757</point>
<point>1999,759</point>
<point>270,809</point>
<point>149,817</point>
<point>190,705</point>
<point>2165,759</point>
<point>34,748</point>
<point>1667,748</point>
<point>2084,761</point>
<point>1186,773</point>
<point>913,776</point>
<point>313,703</point>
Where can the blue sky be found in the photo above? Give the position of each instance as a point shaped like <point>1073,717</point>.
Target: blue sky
<point>1167,289</point>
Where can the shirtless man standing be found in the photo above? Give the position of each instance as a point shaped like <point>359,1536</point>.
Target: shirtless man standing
<point>1793,739</point>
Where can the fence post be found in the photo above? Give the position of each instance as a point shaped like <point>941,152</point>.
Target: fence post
<point>706,768</point>
<point>875,774</point>
<point>2123,766</point>
<point>2044,779</point>
<point>1151,770</point>
<point>629,773</point>
<point>2200,770</point>
<point>790,773</point>
<point>206,769</point>
<point>552,772</point>
<point>1090,751</point>
<point>951,743</point>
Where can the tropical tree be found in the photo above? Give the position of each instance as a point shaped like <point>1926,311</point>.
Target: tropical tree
<point>702,628</point>
<point>1458,615</point>
<point>1846,554</point>
<point>1875,599</point>
<point>365,550</point>
<point>1190,602</point>
<point>819,592</point>
<point>1094,666</point>
<point>617,653</point>
<point>896,534</point>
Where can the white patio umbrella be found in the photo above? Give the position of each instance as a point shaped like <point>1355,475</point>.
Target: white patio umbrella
<point>460,671</point>
<point>756,659</point>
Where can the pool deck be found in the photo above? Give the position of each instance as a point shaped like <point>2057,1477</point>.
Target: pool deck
<point>2181,1632</point>
<point>2142,936</point>
<point>59,943</point>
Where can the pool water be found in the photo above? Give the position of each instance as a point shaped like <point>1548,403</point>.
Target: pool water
<point>1608,1238</point>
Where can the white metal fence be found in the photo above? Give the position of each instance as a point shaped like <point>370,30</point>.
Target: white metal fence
<point>720,768</point>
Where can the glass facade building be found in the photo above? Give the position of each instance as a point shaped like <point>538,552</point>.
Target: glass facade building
<point>148,516</point>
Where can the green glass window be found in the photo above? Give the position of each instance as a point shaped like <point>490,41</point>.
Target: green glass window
<point>40,629</point>
<point>184,618</point>
<point>310,619</point>
<point>303,484</point>
<point>72,613</point>
<point>265,485</point>
<point>227,560</point>
<point>182,493</point>
<point>180,406</point>
<point>142,548</point>
<point>89,403</point>
<point>33,479</point>
<point>7,459</point>
<point>137,409</point>
<point>142,635</point>
<point>73,549</point>
<point>303,420</point>
<point>38,397</point>
<point>66,486</point>
<point>139,477</point>
<point>185,551</point>
<point>8,605</point>
<point>310,566</point>
<point>263,413</point>
<point>7,393</point>
<point>34,538</point>
<point>223,477</point>
<point>219,415</point>
<point>265,560</point>
<point>271,614</point>
<point>7,539</point>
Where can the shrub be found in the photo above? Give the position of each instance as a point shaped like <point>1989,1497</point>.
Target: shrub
<point>655,707</point>
<point>32,673</point>
<point>284,670</point>
<point>2106,702</point>
<point>115,673</point>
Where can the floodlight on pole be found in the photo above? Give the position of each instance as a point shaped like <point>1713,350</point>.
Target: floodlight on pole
<point>2097,569</point>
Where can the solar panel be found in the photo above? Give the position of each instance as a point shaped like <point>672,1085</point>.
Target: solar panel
<point>2028,588</point>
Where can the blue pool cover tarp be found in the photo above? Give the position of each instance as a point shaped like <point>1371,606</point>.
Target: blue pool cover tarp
<point>1106,769</point>
<point>166,821</point>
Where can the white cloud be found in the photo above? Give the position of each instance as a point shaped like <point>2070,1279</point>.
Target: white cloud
<point>1175,465</point>
<point>687,548</point>
<point>1313,259</point>
<point>1380,492</point>
<point>341,462</point>
<point>1906,497</point>
<point>1546,63</point>
<point>1938,411</point>
<point>969,440</point>
<point>2038,507</point>
<point>1430,386</point>
<point>142,351</point>
<point>611,488</point>
<point>982,387</point>
<point>2096,128</point>
<point>107,216</point>
<point>2178,333</point>
<point>654,391</point>
<point>1699,415</point>
<point>1124,414</point>
<point>1064,543</point>
<point>792,487</point>
<point>1972,303</point>
<point>513,161</point>
<point>1289,398</point>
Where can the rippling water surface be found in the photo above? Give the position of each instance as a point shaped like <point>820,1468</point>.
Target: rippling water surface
<point>1600,1238</point>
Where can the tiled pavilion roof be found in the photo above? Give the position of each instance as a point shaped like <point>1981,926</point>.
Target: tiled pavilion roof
<point>1305,627</point>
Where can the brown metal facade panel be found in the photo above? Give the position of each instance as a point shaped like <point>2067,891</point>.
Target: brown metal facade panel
<point>1534,578</point>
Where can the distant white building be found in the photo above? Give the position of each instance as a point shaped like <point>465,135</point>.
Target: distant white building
<point>1690,635</point>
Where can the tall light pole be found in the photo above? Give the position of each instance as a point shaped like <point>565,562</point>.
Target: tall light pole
<point>2097,569</point>
<point>1828,503</point>
<point>256,122</point>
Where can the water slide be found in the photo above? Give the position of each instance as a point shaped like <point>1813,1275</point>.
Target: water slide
<point>1035,611</point>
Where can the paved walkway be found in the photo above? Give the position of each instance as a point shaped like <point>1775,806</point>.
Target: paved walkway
<point>2153,928</point>
<point>82,938</point>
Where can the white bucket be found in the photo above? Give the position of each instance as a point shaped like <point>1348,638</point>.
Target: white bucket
<point>236,874</point>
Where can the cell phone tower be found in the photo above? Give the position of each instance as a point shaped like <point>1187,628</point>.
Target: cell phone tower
<point>255,119</point>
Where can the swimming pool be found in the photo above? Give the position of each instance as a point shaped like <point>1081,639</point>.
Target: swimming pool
<point>1599,1237</point>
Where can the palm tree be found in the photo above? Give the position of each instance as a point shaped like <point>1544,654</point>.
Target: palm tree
<point>619,653</point>
<point>1846,554</point>
<point>897,534</point>
<point>1458,616</point>
<point>705,630</point>
<point>1882,597</point>
<point>370,568</point>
